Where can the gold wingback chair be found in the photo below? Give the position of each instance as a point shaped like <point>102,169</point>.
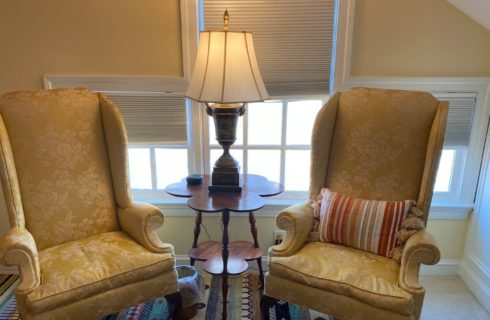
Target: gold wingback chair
<point>83,248</point>
<point>370,144</point>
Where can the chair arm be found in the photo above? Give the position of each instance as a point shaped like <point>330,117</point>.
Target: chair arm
<point>17,247</point>
<point>297,220</point>
<point>420,248</point>
<point>141,221</point>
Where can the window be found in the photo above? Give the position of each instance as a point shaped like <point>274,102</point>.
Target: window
<point>152,168</point>
<point>458,130</point>
<point>444,173</point>
<point>449,175</point>
<point>156,128</point>
<point>293,40</point>
<point>272,138</point>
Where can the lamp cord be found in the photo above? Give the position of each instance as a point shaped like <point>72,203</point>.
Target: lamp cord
<point>206,230</point>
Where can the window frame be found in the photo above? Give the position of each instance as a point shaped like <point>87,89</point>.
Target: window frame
<point>283,147</point>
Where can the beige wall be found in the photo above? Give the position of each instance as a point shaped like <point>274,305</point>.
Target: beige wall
<point>425,38</point>
<point>450,236</point>
<point>113,37</point>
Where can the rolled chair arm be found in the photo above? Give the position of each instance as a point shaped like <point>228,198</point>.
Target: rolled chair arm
<point>420,248</point>
<point>141,221</point>
<point>17,247</point>
<point>297,220</point>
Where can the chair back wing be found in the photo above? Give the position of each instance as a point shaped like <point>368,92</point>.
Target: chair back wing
<point>62,165</point>
<point>8,175</point>
<point>383,145</point>
<point>117,147</point>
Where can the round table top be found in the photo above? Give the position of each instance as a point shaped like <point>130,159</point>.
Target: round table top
<point>254,187</point>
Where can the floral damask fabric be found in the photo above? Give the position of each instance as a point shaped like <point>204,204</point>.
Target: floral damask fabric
<point>78,269</point>
<point>62,165</point>
<point>75,261</point>
<point>343,270</point>
<point>380,143</point>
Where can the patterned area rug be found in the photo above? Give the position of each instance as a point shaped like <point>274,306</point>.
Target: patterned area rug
<point>243,296</point>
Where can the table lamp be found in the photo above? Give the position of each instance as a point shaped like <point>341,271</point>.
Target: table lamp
<point>226,76</point>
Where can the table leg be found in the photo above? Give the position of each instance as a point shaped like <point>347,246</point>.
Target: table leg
<point>224,253</point>
<point>197,231</point>
<point>261,272</point>
<point>253,228</point>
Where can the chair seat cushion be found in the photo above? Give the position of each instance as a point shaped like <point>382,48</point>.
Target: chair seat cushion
<point>78,269</point>
<point>346,271</point>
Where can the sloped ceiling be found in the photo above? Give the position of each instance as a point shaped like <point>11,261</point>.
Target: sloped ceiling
<point>478,10</point>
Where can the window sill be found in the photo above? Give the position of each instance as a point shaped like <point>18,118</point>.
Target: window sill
<point>450,211</point>
<point>177,207</point>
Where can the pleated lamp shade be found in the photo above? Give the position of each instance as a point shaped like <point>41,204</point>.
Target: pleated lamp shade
<point>226,69</point>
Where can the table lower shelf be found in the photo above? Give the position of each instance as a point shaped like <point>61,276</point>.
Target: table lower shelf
<point>239,253</point>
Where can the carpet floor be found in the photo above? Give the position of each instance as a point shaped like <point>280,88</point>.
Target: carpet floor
<point>243,297</point>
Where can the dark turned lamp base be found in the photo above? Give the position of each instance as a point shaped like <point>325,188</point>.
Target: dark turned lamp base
<point>225,180</point>
<point>225,189</point>
<point>226,170</point>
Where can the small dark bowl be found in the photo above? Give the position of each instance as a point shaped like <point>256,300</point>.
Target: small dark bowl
<point>194,179</point>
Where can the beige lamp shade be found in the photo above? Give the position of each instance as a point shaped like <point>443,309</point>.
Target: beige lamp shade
<point>226,69</point>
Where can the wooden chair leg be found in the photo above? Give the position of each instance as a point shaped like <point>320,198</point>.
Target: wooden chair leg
<point>174,305</point>
<point>266,303</point>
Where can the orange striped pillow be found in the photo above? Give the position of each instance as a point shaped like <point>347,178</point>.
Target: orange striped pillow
<point>369,225</point>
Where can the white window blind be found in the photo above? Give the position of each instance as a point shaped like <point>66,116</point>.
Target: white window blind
<point>460,117</point>
<point>293,40</point>
<point>152,118</point>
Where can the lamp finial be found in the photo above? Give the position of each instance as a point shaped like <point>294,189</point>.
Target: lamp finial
<point>226,19</point>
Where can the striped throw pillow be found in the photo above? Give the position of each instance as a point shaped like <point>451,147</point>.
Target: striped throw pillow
<point>369,225</point>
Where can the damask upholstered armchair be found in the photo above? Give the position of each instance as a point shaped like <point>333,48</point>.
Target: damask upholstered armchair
<point>83,248</point>
<point>381,145</point>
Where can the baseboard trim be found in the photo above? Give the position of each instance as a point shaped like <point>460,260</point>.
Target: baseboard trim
<point>477,280</point>
<point>443,268</point>
<point>181,259</point>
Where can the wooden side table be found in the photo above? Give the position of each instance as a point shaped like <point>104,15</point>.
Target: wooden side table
<point>225,258</point>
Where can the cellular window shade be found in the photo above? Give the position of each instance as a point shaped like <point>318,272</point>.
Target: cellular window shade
<point>153,118</point>
<point>293,40</point>
<point>460,117</point>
